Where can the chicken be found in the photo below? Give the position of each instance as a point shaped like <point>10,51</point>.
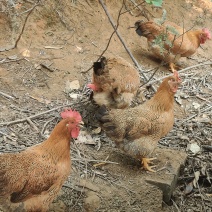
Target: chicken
<point>169,42</point>
<point>115,82</point>
<point>34,176</point>
<point>137,130</point>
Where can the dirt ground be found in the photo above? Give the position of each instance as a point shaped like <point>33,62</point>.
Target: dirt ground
<point>60,41</point>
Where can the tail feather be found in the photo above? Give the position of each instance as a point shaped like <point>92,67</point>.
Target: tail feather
<point>139,30</point>
<point>148,29</point>
<point>107,124</point>
<point>101,113</point>
<point>98,67</point>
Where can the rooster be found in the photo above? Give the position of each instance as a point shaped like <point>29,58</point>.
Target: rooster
<point>169,42</point>
<point>33,177</point>
<point>137,130</point>
<point>115,82</point>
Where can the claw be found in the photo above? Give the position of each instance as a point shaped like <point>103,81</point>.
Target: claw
<point>145,163</point>
<point>173,67</point>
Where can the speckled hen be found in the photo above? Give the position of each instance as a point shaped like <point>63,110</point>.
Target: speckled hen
<point>115,82</point>
<point>137,130</point>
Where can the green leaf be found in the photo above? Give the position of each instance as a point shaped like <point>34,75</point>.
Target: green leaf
<point>172,30</point>
<point>148,1</point>
<point>157,3</point>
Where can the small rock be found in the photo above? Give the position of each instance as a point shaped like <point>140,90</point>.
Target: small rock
<point>91,202</point>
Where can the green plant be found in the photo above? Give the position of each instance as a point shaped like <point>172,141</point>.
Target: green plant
<point>156,3</point>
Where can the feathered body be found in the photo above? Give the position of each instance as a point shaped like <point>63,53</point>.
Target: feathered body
<point>34,177</point>
<point>115,82</point>
<point>138,130</point>
<point>169,42</point>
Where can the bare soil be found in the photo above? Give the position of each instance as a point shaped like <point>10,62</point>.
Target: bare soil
<point>67,37</point>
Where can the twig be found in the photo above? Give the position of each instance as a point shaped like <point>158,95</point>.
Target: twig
<point>44,126</point>
<point>22,30</point>
<point>174,203</point>
<point>207,147</point>
<point>201,196</point>
<point>73,188</point>
<point>108,43</point>
<point>47,67</point>
<point>98,161</point>
<point>123,43</point>
<point>6,95</point>
<point>7,136</point>
<point>143,10</point>
<point>208,108</point>
<point>32,124</point>
<point>180,71</point>
<point>39,114</point>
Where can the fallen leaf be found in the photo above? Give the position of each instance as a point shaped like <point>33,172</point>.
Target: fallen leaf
<point>13,57</point>
<point>184,137</point>
<point>73,95</point>
<point>196,105</point>
<point>96,131</point>
<point>85,138</point>
<point>74,85</point>
<point>194,148</point>
<point>26,53</point>
<point>196,178</point>
<point>189,188</point>
<point>79,49</point>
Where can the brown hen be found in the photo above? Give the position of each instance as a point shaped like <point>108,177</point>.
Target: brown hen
<point>115,82</point>
<point>137,130</point>
<point>169,42</point>
<point>34,177</point>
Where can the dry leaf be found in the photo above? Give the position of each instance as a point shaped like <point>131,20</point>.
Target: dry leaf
<point>85,138</point>
<point>184,137</point>
<point>196,105</point>
<point>194,148</point>
<point>97,130</point>
<point>26,53</point>
<point>79,49</point>
<point>13,57</point>
<point>41,99</point>
<point>189,188</point>
<point>196,178</point>
<point>73,95</point>
<point>74,85</point>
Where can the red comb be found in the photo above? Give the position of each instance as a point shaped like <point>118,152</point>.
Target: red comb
<point>71,113</point>
<point>205,30</point>
<point>92,87</point>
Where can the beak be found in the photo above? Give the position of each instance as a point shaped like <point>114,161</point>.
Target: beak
<point>81,124</point>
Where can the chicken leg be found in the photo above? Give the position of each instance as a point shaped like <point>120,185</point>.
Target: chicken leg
<point>172,67</point>
<point>145,163</point>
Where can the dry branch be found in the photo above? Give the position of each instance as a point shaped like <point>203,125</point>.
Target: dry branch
<point>39,114</point>
<point>180,71</point>
<point>123,43</point>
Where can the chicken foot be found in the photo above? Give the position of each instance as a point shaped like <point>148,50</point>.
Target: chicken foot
<point>173,67</point>
<point>145,162</point>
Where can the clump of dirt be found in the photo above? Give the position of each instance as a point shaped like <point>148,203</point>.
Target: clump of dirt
<point>60,41</point>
